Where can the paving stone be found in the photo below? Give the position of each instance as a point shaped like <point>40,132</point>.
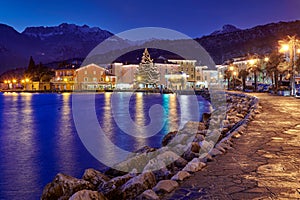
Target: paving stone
<point>264,163</point>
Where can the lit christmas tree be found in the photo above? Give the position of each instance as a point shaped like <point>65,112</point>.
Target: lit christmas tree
<point>147,72</point>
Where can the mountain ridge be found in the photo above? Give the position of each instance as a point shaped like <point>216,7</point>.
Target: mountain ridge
<point>66,41</point>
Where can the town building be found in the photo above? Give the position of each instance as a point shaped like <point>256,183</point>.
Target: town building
<point>64,78</point>
<point>125,74</point>
<point>93,77</point>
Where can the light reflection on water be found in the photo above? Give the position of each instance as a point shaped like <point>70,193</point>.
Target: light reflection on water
<point>38,137</point>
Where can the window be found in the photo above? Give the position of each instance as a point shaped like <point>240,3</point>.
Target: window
<point>101,79</point>
<point>85,79</point>
<point>94,72</point>
<point>85,72</point>
<point>95,79</point>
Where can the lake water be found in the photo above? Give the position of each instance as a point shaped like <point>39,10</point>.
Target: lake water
<point>38,136</point>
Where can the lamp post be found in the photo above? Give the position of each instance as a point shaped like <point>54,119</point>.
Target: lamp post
<point>291,48</point>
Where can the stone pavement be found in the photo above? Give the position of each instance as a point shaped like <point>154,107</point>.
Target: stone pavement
<point>265,161</point>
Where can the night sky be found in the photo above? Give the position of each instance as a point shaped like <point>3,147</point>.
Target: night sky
<point>192,17</point>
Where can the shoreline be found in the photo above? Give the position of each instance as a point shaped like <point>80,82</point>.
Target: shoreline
<point>263,162</point>
<point>187,166</point>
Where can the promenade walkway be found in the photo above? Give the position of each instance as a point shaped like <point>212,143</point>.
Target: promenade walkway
<point>263,164</point>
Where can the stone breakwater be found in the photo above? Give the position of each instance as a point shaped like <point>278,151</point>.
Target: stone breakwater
<point>155,172</point>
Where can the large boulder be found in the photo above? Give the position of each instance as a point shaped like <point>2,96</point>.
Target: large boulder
<point>167,138</point>
<point>111,189</point>
<point>165,186</point>
<point>63,187</point>
<point>87,195</point>
<point>180,176</point>
<point>137,185</point>
<point>194,165</point>
<point>95,177</point>
<point>148,195</point>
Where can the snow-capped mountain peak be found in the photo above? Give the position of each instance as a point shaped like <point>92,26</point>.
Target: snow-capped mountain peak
<point>228,28</point>
<point>44,32</point>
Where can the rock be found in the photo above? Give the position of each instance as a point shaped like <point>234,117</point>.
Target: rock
<point>111,172</point>
<point>236,135</point>
<point>162,174</point>
<point>95,177</point>
<point>167,138</point>
<point>111,188</point>
<point>156,164</point>
<point>206,146</point>
<point>195,147</point>
<point>189,155</point>
<point>135,162</point>
<point>225,131</point>
<point>240,115</point>
<point>180,162</point>
<point>181,138</point>
<point>256,111</point>
<point>148,195</point>
<point>162,160</point>
<point>192,127</point>
<point>145,149</point>
<point>63,187</point>
<point>206,158</point>
<point>205,117</point>
<point>180,176</point>
<point>214,152</point>
<point>220,148</point>
<point>87,195</point>
<point>194,165</point>
<point>199,137</point>
<point>137,185</point>
<point>165,186</point>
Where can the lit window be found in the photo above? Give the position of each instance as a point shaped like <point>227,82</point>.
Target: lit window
<point>94,72</point>
<point>85,72</point>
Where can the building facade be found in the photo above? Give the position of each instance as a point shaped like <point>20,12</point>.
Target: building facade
<point>64,78</point>
<point>93,77</point>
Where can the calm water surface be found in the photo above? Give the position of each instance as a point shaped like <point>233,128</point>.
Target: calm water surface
<point>38,138</point>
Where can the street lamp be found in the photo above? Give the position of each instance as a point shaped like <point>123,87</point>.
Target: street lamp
<point>291,48</point>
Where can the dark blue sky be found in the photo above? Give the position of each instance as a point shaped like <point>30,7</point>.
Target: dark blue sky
<point>192,17</point>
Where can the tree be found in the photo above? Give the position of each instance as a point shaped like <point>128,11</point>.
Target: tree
<point>38,72</point>
<point>272,68</point>
<point>254,67</point>
<point>243,74</point>
<point>31,65</point>
<point>30,69</point>
<point>147,72</point>
<point>227,76</point>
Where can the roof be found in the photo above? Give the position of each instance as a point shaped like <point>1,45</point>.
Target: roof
<point>90,65</point>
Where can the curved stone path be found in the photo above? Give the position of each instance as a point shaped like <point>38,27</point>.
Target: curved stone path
<point>263,164</point>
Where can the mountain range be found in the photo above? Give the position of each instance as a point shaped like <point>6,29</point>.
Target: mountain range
<point>67,41</point>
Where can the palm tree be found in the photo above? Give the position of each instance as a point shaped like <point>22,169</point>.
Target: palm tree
<point>243,74</point>
<point>254,68</point>
<point>272,68</point>
<point>227,76</point>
